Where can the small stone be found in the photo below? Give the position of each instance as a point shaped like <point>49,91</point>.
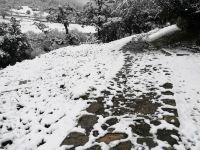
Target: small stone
<point>171,102</point>
<point>123,146</point>
<point>96,108</point>
<point>95,133</point>
<point>167,93</point>
<point>171,110</point>
<point>141,128</point>
<point>155,122</point>
<point>95,147</point>
<point>87,122</point>
<point>106,92</point>
<point>109,137</point>
<point>62,86</point>
<point>23,82</point>
<point>104,126</point>
<point>167,86</point>
<point>76,139</point>
<point>84,97</point>
<point>172,120</point>
<point>5,143</point>
<point>110,130</point>
<point>112,121</point>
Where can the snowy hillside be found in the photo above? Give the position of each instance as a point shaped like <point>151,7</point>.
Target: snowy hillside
<point>38,103</point>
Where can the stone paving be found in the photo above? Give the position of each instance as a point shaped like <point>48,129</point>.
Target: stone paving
<point>134,100</point>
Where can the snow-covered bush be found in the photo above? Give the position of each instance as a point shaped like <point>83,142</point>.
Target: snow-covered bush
<point>14,44</point>
<point>112,29</point>
<point>53,39</point>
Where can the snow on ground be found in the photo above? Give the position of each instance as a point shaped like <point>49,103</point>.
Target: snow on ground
<point>28,25</point>
<point>23,10</point>
<point>37,107</point>
<point>184,69</point>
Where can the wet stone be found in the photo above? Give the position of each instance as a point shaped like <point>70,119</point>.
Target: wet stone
<point>167,86</point>
<point>75,139</point>
<point>95,147</point>
<point>96,108</point>
<point>171,110</point>
<point>148,141</point>
<point>84,97</point>
<point>112,121</point>
<point>171,102</point>
<point>165,135</point>
<point>167,93</point>
<point>145,106</point>
<point>123,146</point>
<point>109,137</point>
<point>141,128</point>
<point>104,126</point>
<point>87,122</point>
<point>95,133</point>
<point>155,122</point>
<point>110,130</point>
<point>168,148</point>
<point>172,120</point>
<point>5,143</point>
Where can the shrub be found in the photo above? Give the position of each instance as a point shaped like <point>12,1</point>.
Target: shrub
<point>14,44</point>
<point>42,43</point>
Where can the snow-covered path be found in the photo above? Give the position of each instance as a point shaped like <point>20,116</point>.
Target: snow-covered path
<point>102,97</point>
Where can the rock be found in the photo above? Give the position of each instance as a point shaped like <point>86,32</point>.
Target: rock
<point>84,97</point>
<point>112,121</point>
<point>167,86</point>
<point>106,92</point>
<point>75,139</point>
<point>167,93</point>
<point>5,143</point>
<point>109,137</point>
<point>23,82</point>
<point>95,133</point>
<point>165,135</point>
<point>95,147</point>
<point>171,110</point>
<point>104,126</point>
<point>171,102</point>
<point>87,122</point>
<point>168,148</point>
<point>110,130</point>
<point>172,120</point>
<point>148,141</point>
<point>123,146</point>
<point>182,54</point>
<point>96,108</point>
<point>145,106</point>
<point>155,122</point>
<point>141,128</point>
